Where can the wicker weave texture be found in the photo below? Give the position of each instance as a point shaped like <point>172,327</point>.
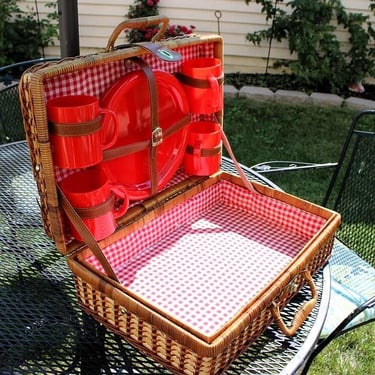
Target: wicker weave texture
<point>175,346</point>
<point>160,346</point>
<point>107,300</point>
<point>90,75</point>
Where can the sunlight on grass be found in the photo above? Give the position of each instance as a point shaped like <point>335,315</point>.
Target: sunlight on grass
<point>261,131</point>
<point>350,354</point>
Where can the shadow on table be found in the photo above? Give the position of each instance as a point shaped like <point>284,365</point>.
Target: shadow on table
<point>42,329</point>
<point>38,325</point>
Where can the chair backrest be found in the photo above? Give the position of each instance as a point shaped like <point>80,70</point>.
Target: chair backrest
<point>10,114</point>
<point>353,187</point>
<point>11,123</point>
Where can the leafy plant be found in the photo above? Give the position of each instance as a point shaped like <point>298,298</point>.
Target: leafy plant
<point>146,8</point>
<point>23,35</point>
<point>143,8</point>
<point>178,30</point>
<point>310,29</point>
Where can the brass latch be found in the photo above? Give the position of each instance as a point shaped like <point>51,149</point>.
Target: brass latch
<point>157,136</point>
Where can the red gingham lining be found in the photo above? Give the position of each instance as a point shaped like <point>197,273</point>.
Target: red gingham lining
<point>98,79</point>
<point>203,261</point>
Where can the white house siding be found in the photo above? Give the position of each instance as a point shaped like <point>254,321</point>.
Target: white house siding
<point>97,19</point>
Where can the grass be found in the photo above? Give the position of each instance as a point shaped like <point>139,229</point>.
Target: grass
<point>261,131</point>
<point>351,354</point>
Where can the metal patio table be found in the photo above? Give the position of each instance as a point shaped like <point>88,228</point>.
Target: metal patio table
<point>43,330</point>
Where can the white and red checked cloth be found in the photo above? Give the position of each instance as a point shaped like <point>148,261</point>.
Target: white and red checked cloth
<point>203,261</point>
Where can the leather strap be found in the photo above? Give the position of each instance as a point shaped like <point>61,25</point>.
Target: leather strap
<point>96,211</point>
<point>177,126</point>
<point>197,82</point>
<point>154,115</point>
<point>159,51</point>
<point>244,179</point>
<point>86,234</point>
<point>157,135</point>
<point>143,145</point>
<point>113,153</point>
<point>203,152</point>
<point>76,130</point>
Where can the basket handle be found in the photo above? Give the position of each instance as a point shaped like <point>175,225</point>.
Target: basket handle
<point>138,23</point>
<point>301,314</point>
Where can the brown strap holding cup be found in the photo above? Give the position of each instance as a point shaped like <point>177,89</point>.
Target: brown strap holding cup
<point>86,235</point>
<point>204,152</point>
<point>76,130</point>
<point>95,211</point>
<point>197,82</point>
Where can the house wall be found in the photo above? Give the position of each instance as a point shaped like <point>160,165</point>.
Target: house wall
<point>98,18</point>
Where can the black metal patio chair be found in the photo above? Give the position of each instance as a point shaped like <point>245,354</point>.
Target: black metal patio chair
<point>11,123</point>
<point>351,192</point>
<point>19,210</point>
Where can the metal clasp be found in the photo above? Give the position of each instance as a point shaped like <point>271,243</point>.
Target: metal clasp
<point>157,136</point>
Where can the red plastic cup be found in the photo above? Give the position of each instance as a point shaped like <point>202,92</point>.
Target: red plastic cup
<point>77,135</point>
<point>203,151</point>
<point>97,201</point>
<point>201,84</point>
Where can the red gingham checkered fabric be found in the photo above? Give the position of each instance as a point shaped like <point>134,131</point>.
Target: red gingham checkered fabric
<point>98,79</point>
<point>204,260</point>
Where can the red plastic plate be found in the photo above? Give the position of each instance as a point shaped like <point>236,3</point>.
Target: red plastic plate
<point>129,99</point>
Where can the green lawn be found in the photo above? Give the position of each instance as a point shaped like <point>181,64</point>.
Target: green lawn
<point>260,131</point>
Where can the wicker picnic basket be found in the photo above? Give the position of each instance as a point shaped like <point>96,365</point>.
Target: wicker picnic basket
<point>196,272</point>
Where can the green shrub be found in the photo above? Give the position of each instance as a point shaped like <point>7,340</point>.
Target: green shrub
<point>310,29</point>
<point>146,8</point>
<point>22,35</point>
